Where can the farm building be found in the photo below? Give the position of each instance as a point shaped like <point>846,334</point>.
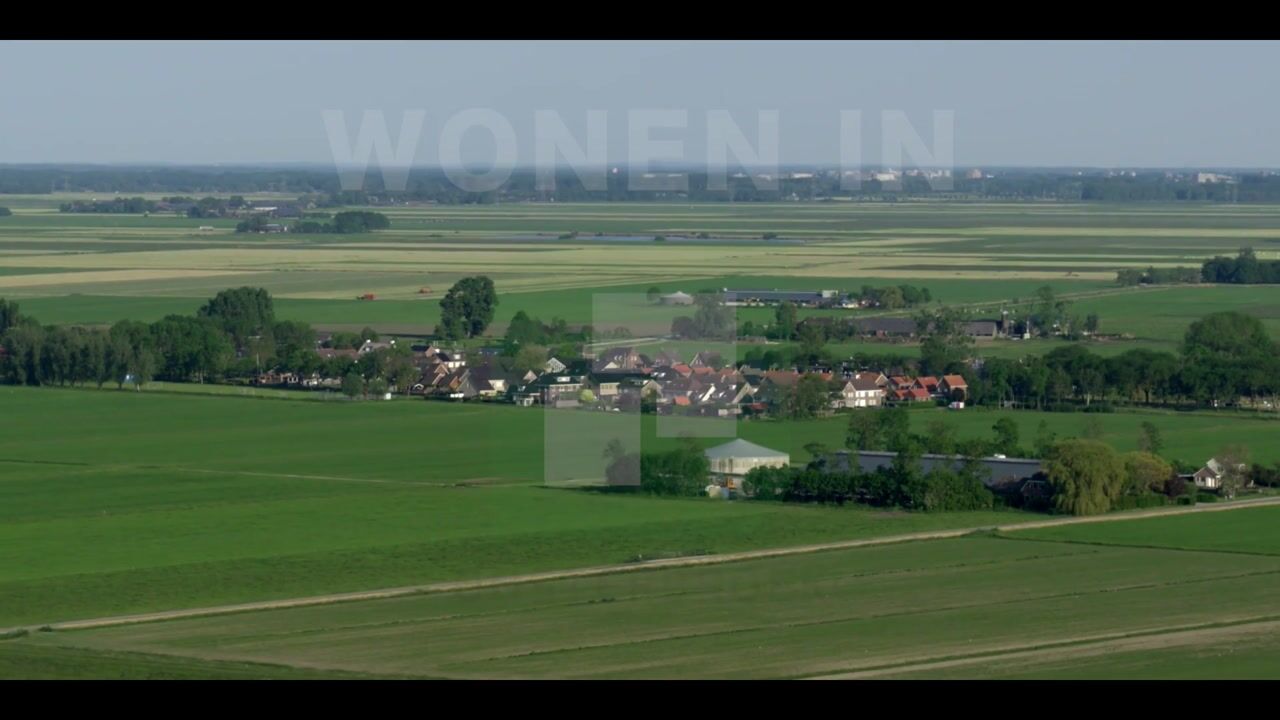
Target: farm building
<point>777,297</point>
<point>1002,474</point>
<point>677,298</point>
<point>731,461</point>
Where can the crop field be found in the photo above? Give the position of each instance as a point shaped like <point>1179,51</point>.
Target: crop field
<point>977,606</point>
<point>550,259</point>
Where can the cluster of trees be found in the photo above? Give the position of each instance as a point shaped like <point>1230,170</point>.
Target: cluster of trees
<point>1050,315</point>
<point>807,398</point>
<point>895,297</point>
<point>468,308</point>
<point>1244,269</point>
<point>945,345</point>
<point>1158,276</point>
<point>5,212</point>
<point>890,429</point>
<point>376,373</point>
<point>1225,356</point>
<point>1089,477</point>
<point>347,340</point>
<point>344,223</point>
<point>529,342</point>
<point>903,484</point>
<point>356,221</point>
<point>711,320</point>
<point>682,471</point>
<point>208,206</point>
<point>131,205</point>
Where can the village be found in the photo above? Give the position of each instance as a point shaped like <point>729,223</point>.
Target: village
<point>624,379</point>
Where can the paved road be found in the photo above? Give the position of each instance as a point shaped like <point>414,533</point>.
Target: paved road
<point>461,585</point>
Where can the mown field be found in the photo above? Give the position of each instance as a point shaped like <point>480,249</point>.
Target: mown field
<point>73,268</point>
<point>979,606</point>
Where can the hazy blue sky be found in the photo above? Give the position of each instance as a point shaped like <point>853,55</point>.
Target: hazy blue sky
<point>1145,104</point>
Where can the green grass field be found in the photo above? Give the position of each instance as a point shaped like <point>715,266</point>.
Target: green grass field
<point>120,501</point>
<point>1251,531</point>
<point>972,607</point>
<point>116,501</point>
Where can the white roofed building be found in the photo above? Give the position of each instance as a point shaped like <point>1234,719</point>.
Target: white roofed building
<point>731,461</point>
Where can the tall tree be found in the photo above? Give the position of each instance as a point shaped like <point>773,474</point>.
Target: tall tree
<point>1146,472</point>
<point>1006,440</point>
<point>1149,439</point>
<point>785,320</point>
<point>242,313</point>
<point>945,345</point>
<point>468,308</point>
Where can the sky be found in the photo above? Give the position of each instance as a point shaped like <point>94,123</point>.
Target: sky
<point>1041,103</point>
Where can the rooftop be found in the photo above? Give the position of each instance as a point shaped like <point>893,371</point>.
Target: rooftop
<point>742,449</point>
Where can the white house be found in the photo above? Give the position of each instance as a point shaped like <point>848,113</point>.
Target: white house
<point>1209,477</point>
<point>861,391</point>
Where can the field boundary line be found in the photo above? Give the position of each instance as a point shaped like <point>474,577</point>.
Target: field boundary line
<point>1098,643</point>
<point>595,571</point>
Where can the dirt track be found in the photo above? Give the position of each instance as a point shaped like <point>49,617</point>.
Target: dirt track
<point>462,585</point>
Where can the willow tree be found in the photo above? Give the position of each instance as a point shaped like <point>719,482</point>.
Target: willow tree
<point>1086,475</point>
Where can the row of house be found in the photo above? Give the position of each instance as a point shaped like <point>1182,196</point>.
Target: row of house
<point>623,378</point>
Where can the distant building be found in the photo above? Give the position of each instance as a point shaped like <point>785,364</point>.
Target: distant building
<point>677,298</point>
<point>731,461</point>
<point>1204,178</point>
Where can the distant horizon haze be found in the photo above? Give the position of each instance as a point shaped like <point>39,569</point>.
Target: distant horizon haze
<point>1158,105</point>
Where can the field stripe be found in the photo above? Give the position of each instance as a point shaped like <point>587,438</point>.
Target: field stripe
<point>1080,646</point>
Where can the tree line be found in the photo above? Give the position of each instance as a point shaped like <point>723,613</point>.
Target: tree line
<point>1225,357</point>
<point>1244,269</point>
<point>903,483</point>
<point>234,336</point>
